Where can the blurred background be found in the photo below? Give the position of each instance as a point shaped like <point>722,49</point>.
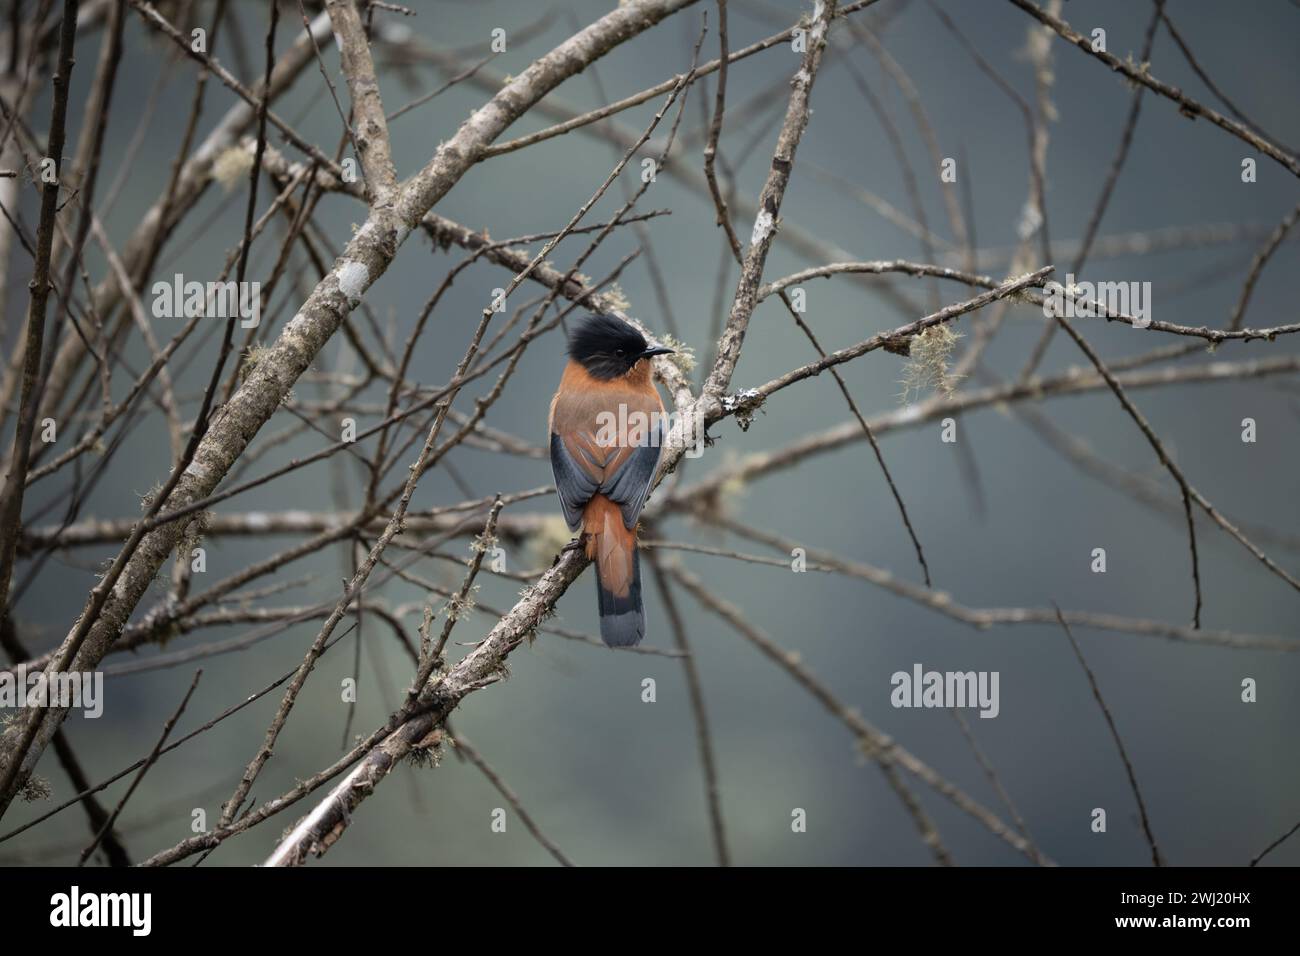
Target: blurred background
<point>614,780</point>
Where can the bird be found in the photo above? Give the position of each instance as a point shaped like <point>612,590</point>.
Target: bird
<point>607,425</point>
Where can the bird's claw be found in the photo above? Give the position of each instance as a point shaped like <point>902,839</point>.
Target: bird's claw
<point>573,545</point>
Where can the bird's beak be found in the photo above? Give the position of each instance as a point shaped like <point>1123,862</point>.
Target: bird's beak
<point>657,350</point>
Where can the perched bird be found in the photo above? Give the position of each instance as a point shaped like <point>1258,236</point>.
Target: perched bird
<point>607,426</point>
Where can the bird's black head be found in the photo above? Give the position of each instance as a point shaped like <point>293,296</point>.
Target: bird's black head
<point>608,347</point>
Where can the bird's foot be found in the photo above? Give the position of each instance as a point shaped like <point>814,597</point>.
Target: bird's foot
<point>573,545</point>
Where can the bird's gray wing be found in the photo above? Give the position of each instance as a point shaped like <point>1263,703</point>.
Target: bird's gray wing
<point>629,485</point>
<point>573,483</point>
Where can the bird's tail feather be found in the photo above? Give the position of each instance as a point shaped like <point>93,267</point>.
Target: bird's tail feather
<point>612,548</point>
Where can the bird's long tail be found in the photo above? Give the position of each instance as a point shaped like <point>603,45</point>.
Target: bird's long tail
<point>612,548</point>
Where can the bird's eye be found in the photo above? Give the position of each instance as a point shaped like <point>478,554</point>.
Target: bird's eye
<point>619,353</point>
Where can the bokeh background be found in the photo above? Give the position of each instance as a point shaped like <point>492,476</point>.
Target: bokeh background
<point>617,781</point>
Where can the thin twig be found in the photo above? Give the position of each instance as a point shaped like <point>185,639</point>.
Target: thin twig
<point>1156,859</point>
